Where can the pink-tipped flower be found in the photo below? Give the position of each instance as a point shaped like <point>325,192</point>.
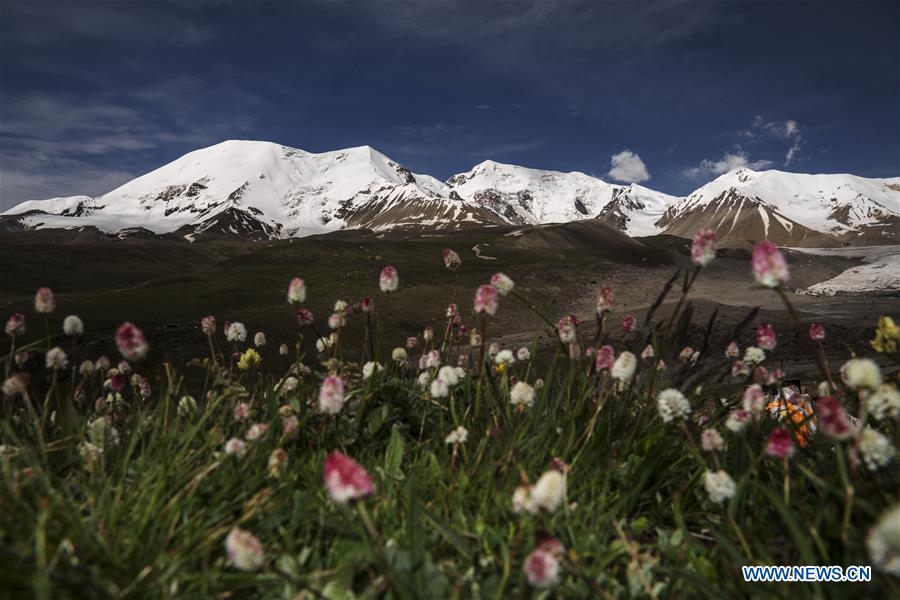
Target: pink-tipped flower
<point>780,444</point>
<point>389,279</point>
<point>304,317</point>
<point>15,325</point>
<point>628,323</point>
<point>765,337</point>
<point>131,342</point>
<point>703,248</point>
<point>769,267</point>
<point>817,332</point>
<point>245,551</point>
<point>486,300</point>
<point>44,301</point>
<point>567,329</point>
<point>331,395</point>
<point>541,568</point>
<point>739,368</point>
<point>208,325</point>
<point>503,283</point>
<point>412,342</point>
<point>367,305</point>
<point>451,259</point>
<point>605,299</point>
<point>831,418</point>
<point>428,334</point>
<point>733,350</point>
<point>606,358</point>
<point>754,400</point>
<point>452,310</point>
<point>648,352</point>
<point>296,291</point>
<point>686,353</point>
<point>346,479</point>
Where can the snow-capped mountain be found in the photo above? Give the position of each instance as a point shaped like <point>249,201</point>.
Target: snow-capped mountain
<point>264,190</point>
<point>792,209</point>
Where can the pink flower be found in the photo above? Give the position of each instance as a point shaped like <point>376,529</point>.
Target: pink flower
<point>780,444</point>
<point>304,316</point>
<point>606,357</point>
<point>131,342</point>
<point>711,440</point>
<point>605,299</point>
<point>541,568</point>
<point>389,280</point>
<point>451,259</point>
<point>44,301</point>
<point>241,411</point>
<point>208,325</point>
<point>817,332</point>
<point>628,323</point>
<point>765,337</point>
<point>648,352</point>
<point>428,334</point>
<point>754,400</point>
<point>331,395</point>
<point>739,368</point>
<point>486,300</point>
<point>452,310</point>
<point>296,291</point>
<point>412,342</point>
<point>290,426</point>
<point>567,329</point>
<point>831,418</point>
<point>367,305</point>
<point>346,479</point>
<point>574,350</point>
<point>15,325</point>
<point>733,350</point>
<point>769,266</point>
<point>245,551</point>
<point>703,248</point>
<point>686,353</point>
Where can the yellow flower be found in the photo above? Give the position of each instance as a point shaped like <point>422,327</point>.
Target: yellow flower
<point>249,359</point>
<point>887,336</point>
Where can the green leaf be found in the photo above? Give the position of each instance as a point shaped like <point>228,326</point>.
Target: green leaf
<point>393,457</point>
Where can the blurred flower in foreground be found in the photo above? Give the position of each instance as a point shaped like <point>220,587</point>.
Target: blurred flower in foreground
<point>719,485</point>
<point>703,247</point>
<point>345,478</point>
<point>331,395</point>
<point>389,280</point>
<point>44,301</point>
<point>245,551</point>
<point>486,300</point>
<point>883,542</point>
<point>769,267</point>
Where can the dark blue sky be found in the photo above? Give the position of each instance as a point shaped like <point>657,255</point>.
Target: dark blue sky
<point>95,93</point>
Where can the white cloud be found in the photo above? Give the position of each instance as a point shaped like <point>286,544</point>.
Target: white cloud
<point>628,167</point>
<point>779,130</point>
<point>729,162</point>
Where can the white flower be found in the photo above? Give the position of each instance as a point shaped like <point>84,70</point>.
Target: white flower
<point>719,485</point>
<point>236,332</point>
<point>89,452</point>
<point>323,344</point>
<point>57,359</point>
<point>521,393</point>
<point>245,551</point>
<point>424,379</point>
<point>737,420</point>
<point>257,431</point>
<point>523,354</point>
<point>711,440</point>
<point>883,542</point>
<point>336,320</point>
<point>430,360</point>
<point>505,357</point>
<point>885,402</point>
<point>439,388</point>
<point>549,490</point>
<point>460,373</point>
<point>624,367</point>
<point>876,448</point>
<point>754,355</point>
<point>86,368</point>
<point>672,405</point>
<point>235,447</point>
<point>259,339</point>
<point>73,326</point>
<point>370,368</point>
<point>521,500</point>
<point>288,385</point>
<point>187,406</point>
<point>503,283</point>
<point>457,436</point>
<point>448,374</point>
<point>861,373</point>
<point>340,306</point>
<point>398,355</point>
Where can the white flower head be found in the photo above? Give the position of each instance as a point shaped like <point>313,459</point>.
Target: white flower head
<point>73,326</point>
<point>504,357</point>
<point>719,485</point>
<point>884,402</point>
<point>876,448</point>
<point>399,355</point>
<point>754,355</point>
<point>672,405</point>
<point>370,368</point>
<point>457,436</point>
<point>236,332</point>
<point>521,393</point>
<point>549,491</point>
<point>861,373</point>
<point>448,374</point>
<point>245,551</point>
<point>883,542</point>
<point>624,367</point>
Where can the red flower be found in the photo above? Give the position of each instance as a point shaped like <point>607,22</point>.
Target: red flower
<point>131,342</point>
<point>831,418</point>
<point>780,444</point>
<point>346,479</point>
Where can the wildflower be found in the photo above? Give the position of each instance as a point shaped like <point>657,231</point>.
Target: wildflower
<point>502,283</point>
<point>424,379</point>
<point>257,431</point>
<point>72,326</point>
<point>541,568</point>
<point>288,385</point>
<point>817,332</point>
<point>277,463</point>
<point>861,373</point>
<point>89,452</point>
<point>493,350</point>
<point>336,320</point>
<point>648,352</point>
<point>883,542</point>
<point>259,339</point>
<point>521,500</point>
<point>769,267</point>
<point>304,317</point>
<point>521,394</point>
<point>289,427</point>
<point>323,344</point>
<point>428,334</point>
<point>884,402</point>
<point>124,367</point>
<point>462,360</point>
<point>754,400</point>
<point>449,374</point>
<point>86,368</point>
<point>686,353</point>
<point>739,368</point>
<point>566,329</point>
<point>754,355</point>
<point>733,350</point>
<point>15,385</point>
<point>235,447</point>
<point>831,418</point>
<point>606,358</point>
<point>370,368</point>
<point>876,448</point>
<point>208,325</point>
<point>780,444</point>
<point>719,485</point>
<point>131,342</point>
<point>57,359</point>
<point>187,406</point>
<point>765,337</point>
<point>245,551</point>
<point>367,305</point>
<point>296,291</point>
<point>624,367</point>
<point>457,436</point>
<point>15,325</point>
<point>431,360</point>
<point>737,420</point>
<point>452,310</point>
<point>451,259</point>
<point>249,360</point>
<point>44,301</point>
<point>346,479</point>
<point>389,280</point>
<point>628,323</point>
<point>887,336</point>
<point>474,338</point>
<point>439,388</point>
<point>504,358</point>
<point>283,349</point>
<point>703,247</point>
<point>523,354</point>
<point>549,490</point>
<point>331,395</point>
<point>711,440</point>
<point>102,363</point>
<point>398,355</point>
<point>605,300</point>
<point>672,405</point>
<point>486,300</point>
<point>241,411</point>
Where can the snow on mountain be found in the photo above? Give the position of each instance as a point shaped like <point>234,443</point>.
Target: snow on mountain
<point>263,189</point>
<point>879,272</point>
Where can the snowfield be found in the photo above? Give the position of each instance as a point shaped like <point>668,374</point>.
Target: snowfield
<point>879,273</point>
